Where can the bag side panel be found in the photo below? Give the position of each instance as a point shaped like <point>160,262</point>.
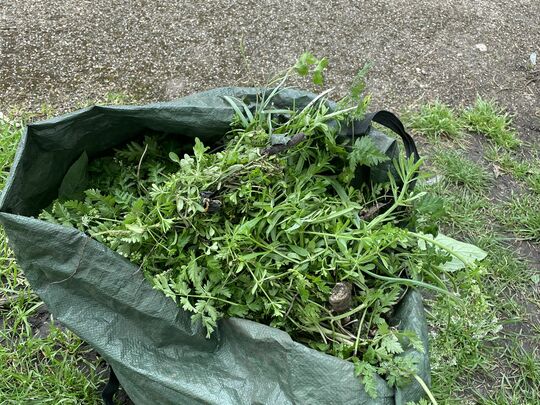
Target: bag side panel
<point>156,352</point>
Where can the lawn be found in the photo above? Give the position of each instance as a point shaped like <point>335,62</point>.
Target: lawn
<point>483,350</point>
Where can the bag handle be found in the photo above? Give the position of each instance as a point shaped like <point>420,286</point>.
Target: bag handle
<point>390,121</point>
<point>111,388</point>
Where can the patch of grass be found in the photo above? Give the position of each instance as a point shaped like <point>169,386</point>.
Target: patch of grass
<point>459,170</point>
<point>52,369</point>
<point>486,118</point>
<point>47,370</point>
<point>508,161</point>
<point>473,359</point>
<point>116,97</point>
<point>436,120</point>
<point>533,180</point>
<point>508,279</point>
<point>520,382</point>
<point>471,356</point>
<point>10,133</point>
<point>466,212</point>
<point>507,270</point>
<point>460,336</point>
<point>521,215</point>
<point>523,169</point>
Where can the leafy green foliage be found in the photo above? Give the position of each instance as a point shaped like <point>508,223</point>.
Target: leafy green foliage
<point>359,83</point>
<point>242,232</point>
<point>427,214</point>
<point>306,62</point>
<point>473,359</point>
<point>463,254</point>
<point>364,152</point>
<point>356,100</point>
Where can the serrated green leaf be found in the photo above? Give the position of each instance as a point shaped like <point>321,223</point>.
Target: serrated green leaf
<point>463,254</point>
<point>323,64</point>
<point>308,58</point>
<point>302,69</point>
<point>391,345</point>
<point>135,228</point>
<point>365,152</point>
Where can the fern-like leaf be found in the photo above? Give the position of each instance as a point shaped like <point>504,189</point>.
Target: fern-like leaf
<point>365,152</point>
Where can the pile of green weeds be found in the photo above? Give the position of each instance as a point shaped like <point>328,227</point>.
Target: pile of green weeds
<point>267,227</point>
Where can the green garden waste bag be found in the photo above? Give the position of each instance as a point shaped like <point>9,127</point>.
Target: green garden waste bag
<point>157,354</point>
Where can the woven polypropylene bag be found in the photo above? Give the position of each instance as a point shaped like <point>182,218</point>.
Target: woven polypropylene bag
<point>156,352</point>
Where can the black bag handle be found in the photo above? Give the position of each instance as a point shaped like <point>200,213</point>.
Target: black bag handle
<point>111,388</point>
<point>390,121</point>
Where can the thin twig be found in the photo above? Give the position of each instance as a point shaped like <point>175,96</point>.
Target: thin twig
<point>290,305</point>
<point>144,260</point>
<point>140,162</point>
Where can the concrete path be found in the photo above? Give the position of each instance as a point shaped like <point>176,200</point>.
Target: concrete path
<point>64,52</point>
